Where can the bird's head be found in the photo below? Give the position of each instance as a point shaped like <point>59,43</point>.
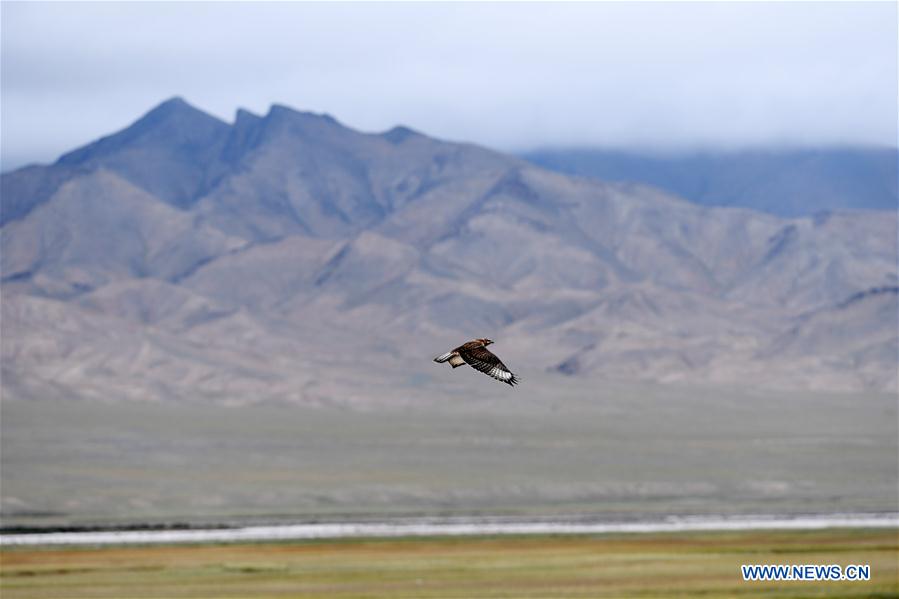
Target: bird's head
<point>486,342</point>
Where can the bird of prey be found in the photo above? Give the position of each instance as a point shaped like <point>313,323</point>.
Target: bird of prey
<point>475,354</point>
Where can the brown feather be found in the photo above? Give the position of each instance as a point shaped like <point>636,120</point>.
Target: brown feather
<point>482,359</point>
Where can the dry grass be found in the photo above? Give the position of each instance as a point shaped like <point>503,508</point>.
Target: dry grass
<point>658,565</point>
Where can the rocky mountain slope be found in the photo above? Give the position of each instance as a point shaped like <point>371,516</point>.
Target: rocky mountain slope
<point>286,257</point>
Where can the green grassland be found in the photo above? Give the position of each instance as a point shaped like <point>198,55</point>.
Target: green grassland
<point>640,565</point>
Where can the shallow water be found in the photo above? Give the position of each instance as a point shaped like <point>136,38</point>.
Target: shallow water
<point>453,527</point>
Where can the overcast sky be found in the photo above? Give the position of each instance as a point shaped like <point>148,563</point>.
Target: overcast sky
<point>507,75</point>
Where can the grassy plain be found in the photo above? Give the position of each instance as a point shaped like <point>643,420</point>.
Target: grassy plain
<point>627,451</point>
<point>640,565</point>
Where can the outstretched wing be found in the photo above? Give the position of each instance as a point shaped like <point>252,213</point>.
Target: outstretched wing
<point>481,358</point>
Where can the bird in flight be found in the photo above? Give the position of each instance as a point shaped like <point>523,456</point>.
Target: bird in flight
<point>475,354</point>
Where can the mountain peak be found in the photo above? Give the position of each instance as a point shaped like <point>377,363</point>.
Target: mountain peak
<point>172,120</point>
<point>399,134</point>
<point>173,103</point>
<point>175,108</point>
<point>167,151</point>
<point>280,111</point>
<point>243,115</point>
<point>244,134</point>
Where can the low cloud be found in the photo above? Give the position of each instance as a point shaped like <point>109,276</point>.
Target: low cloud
<point>511,76</point>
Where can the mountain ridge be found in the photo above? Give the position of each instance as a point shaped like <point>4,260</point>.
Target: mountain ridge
<point>788,182</point>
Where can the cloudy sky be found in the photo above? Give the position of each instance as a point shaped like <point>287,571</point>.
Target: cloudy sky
<point>507,75</point>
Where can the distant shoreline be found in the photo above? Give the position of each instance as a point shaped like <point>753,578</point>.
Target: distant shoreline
<point>455,526</point>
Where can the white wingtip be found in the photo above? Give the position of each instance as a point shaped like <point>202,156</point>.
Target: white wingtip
<point>444,357</point>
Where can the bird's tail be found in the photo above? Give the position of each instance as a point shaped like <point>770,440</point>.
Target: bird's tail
<point>444,357</point>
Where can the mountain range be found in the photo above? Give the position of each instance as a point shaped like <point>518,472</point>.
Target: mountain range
<point>286,257</point>
<point>791,183</point>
